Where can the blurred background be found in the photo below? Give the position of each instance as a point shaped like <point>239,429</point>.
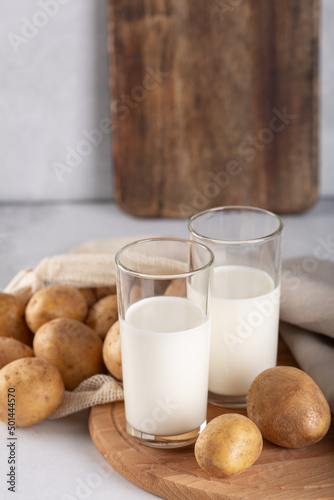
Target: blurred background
<point>55,93</point>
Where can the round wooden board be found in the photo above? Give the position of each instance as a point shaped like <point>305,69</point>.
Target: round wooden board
<point>302,474</point>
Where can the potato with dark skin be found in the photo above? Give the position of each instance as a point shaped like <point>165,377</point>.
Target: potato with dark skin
<point>288,407</point>
<point>102,315</point>
<point>112,351</point>
<point>11,349</point>
<point>23,295</point>
<point>55,301</point>
<point>177,288</point>
<point>73,347</point>
<point>89,296</point>
<point>12,322</point>
<point>103,291</point>
<point>35,388</point>
<point>228,445</point>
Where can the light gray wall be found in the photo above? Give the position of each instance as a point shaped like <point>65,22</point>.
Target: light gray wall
<point>54,86</point>
<point>54,92</point>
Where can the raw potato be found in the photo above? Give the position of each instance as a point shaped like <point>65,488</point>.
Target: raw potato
<point>177,288</point>
<point>89,296</point>
<point>136,293</point>
<point>228,445</point>
<point>288,407</point>
<point>12,322</point>
<point>112,351</point>
<point>36,387</point>
<point>23,295</point>
<point>103,291</point>
<point>72,347</point>
<point>55,301</point>
<point>11,349</point>
<point>102,315</point>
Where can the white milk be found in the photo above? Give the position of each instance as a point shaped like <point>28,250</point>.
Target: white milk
<point>244,331</point>
<point>165,358</point>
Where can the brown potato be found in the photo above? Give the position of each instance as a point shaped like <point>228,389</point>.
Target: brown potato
<point>103,291</point>
<point>177,288</point>
<point>112,351</point>
<point>11,349</point>
<point>228,445</point>
<point>288,407</point>
<point>35,387</point>
<point>89,296</point>
<point>12,322</point>
<point>55,301</point>
<point>23,295</point>
<point>72,347</point>
<point>102,315</point>
<point>136,293</point>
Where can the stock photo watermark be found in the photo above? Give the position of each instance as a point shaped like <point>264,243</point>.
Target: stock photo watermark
<point>211,190</point>
<point>249,149</point>
<point>278,122</point>
<point>11,445</point>
<point>122,107</point>
<point>309,264</point>
<point>85,488</point>
<point>31,27</point>
<point>160,414</point>
<point>264,307</point>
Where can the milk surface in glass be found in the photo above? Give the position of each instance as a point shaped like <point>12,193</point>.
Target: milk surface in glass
<point>244,330</point>
<point>165,358</point>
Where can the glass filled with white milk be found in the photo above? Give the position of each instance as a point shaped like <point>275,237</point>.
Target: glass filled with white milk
<point>247,245</point>
<point>164,297</point>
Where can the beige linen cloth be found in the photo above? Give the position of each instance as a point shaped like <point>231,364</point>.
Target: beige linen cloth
<point>307,312</point>
<point>307,318</point>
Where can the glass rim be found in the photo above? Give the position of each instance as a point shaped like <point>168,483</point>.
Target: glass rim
<point>169,276</point>
<point>236,208</point>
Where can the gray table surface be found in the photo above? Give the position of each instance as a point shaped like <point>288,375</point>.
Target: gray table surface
<point>57,459</point>
<point>28,233</point>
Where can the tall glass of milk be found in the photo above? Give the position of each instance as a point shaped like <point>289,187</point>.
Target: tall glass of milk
<point>246,243</point>
<point>164,298</point>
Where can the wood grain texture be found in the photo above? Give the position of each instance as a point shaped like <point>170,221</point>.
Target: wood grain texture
<point>198,90</point>
<point>279,473</point>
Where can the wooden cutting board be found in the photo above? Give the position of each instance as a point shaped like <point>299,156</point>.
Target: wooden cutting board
<point>279,473</point>
<point>214,102</point>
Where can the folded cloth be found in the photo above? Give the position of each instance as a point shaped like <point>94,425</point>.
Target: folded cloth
<point>314,353</point>
<point>89,265</point>
<point>307,294</point>
<point>307,318</point>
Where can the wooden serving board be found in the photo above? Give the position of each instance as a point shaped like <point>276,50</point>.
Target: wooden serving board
<point>279,473</point>
<point>214,102</point>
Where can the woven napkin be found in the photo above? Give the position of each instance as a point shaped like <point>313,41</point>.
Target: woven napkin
<point>307,318</point>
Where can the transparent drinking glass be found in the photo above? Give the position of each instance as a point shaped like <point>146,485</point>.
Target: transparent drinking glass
<point>247,245</point>
<point>164,293</point>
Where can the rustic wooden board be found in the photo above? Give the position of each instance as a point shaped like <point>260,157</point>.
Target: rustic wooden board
<point>279,473</point>
<point>198,90</point>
